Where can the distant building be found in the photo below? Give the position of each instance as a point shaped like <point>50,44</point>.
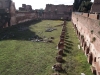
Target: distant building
<point>25,8</point>
<point>58,11</point>
<point>95,7</point>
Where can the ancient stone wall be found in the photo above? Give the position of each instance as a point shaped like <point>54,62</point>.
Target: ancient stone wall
<point>4,4</point>
<point>95,7</point>
<point>58,11</point>
<point>85,14</point>
<point>10,16</point>
<point>25,8</point>
<point>25,16</point>
<point>13,14</point>
<point>91,15</point>
<point>94,16</point>
<point>89,29</point>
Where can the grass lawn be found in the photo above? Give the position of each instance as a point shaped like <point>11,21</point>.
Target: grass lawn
<point>20,56</point>
<point>76,61</point>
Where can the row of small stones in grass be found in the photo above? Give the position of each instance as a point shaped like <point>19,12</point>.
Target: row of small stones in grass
<point>58,66</point>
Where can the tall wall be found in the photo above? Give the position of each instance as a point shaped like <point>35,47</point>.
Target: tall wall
<point>95,7</point>
<point>58,11</point>
<point>10,16</point>
<point>25,16</point>
<point>88,31</point>
<point>13,14</point>
<point>25,8</point>
<point>4,4</point>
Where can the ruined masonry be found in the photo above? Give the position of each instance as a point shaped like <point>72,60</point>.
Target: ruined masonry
<point>87,27</point>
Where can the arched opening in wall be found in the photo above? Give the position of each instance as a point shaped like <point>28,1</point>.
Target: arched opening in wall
<point>81,38</point>
<point>94,59</point>
<point>75,26</point>
<point>82,41</point>
<point>87,50</point>
<point>98,16</point>
<point>79,35</point>
<point>85,45</point>
<point>88,14</point>
<point>98,73</point>
<point>93,69</point>
<point>90,58</point>
<point>77,31</point>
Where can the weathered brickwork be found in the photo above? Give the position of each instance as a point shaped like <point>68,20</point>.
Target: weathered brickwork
<point>25,7</point>
<point>58,11</point>
<point>88,31</point>
<point>25,16</point>
<point>4,5</point>
<point>16,16</point>
<point>13,14</point>
<point>95,7</point>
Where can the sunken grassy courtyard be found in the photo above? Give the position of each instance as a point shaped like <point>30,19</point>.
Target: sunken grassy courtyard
<point>19,55</point>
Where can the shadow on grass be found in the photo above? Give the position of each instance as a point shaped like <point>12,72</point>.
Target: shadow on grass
<point>66,38</point>
<point>67,51</point>
<point>62,71</point>
<point>20,31</point>
<point>70,42</point>
<point>68,45</point>
<point>63,61</point>
<point>64,55</point>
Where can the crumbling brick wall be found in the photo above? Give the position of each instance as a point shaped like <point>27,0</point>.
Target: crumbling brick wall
<point>95,7</point>
<point>13,13</point>
<point>58,11</point>
<point>89,28</point>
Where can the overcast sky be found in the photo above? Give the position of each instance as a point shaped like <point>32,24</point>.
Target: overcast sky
<point>37,4</point>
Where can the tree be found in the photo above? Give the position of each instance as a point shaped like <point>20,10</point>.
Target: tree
<point>85,6</point>
<point>76,4</point>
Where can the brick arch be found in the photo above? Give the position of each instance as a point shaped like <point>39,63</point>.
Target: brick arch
<point>77,31</point>
<point>90,58</point>
<point>75,25</point>
<point>95,59</point>
<point>82,38</point>
<point>85,45</point>
<point>93,69</point>
<point>87,50</point>
<point>79,35</point>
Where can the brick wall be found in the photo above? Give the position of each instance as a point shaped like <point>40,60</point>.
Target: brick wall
<point>58,11</point>
<point>85,14</point>
<point>4,4</point>
<point>13,13</point>
<point>95,7</point>
<point>93,16</point>
<point>86,26</point>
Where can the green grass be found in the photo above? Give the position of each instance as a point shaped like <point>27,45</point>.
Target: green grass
<point>76,61</point>
<point>20,56</point>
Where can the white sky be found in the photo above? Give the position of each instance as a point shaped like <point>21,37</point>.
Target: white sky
<point>37,4</point>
